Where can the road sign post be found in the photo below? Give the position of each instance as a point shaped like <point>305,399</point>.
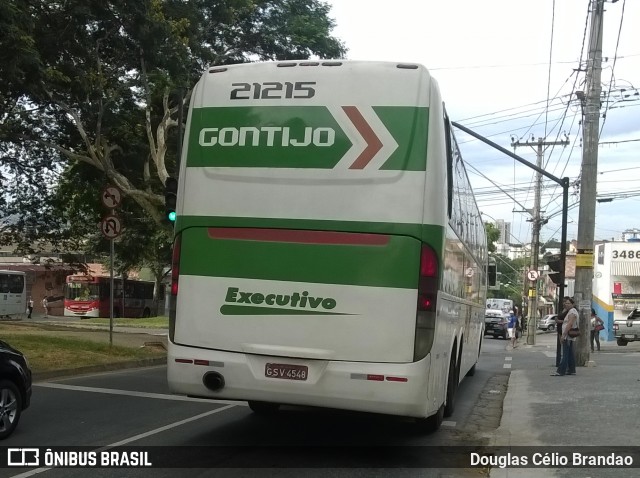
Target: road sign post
<point>111,227</point>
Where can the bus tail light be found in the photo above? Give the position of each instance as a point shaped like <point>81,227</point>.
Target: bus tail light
<point>428,281</point>
<point>175,266</point>
<point>427,302</point>
<point>175,274</point>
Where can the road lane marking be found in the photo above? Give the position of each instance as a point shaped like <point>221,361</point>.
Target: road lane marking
<point>130,393</point>
<point>155,431</point>
<point>507,365</point>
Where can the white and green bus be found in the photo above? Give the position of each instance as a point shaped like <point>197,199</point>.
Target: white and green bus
<point>328,247</point>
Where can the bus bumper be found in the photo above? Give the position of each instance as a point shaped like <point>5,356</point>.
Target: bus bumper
<point>388,388</point>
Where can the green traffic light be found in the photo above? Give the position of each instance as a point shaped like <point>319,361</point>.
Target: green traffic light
<point>172,216</point>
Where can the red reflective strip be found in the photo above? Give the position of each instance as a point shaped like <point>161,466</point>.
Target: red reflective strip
<point>368,134</point>
<point>179,360</point>
<point>298,236</point>
<point>201,362</point>
<point>397,379</point>
<point>377,378</point>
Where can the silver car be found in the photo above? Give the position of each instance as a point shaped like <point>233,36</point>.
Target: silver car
<point>548,322</point>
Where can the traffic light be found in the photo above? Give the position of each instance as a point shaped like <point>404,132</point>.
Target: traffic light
<point>555,266</point>
<point>170,198</point>
<point>492,273</point>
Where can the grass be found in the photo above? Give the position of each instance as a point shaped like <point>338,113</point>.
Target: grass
<point>49,350</point>
<point>161,322</point>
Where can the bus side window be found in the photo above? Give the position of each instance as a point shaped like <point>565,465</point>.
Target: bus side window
<point>447,136</point>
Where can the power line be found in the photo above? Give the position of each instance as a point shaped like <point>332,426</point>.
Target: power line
<point>615,57</point>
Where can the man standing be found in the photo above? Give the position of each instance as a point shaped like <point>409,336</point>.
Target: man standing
<point>45,305</point>
<point>512,328</point>
<point>29,307</point>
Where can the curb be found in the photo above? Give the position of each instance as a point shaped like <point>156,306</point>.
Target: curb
<point>108,367</point>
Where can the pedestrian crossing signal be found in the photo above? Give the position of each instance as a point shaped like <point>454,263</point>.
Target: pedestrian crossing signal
<point>170,198</point>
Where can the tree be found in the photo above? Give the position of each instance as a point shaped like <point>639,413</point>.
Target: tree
<point>89,95</point>
<point>510,275</point>
<point>493,234</point>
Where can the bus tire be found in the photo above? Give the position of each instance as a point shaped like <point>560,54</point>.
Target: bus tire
<point>452,387</point>
<point>264,408</point>
<point>432,423</point>
<point>472,370</point>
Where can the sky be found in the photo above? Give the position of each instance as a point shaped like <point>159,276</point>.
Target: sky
<point>507,70</point>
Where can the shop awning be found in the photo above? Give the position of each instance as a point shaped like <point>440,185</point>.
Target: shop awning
<point>625,268</point>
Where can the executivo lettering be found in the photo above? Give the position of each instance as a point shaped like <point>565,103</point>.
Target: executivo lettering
<point>304,300</point>
<point>266,136</point>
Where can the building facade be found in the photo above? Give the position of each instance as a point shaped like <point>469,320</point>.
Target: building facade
<point>505,231</point>
<point>616,281</point>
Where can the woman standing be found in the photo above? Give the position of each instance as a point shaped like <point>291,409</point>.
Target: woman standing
<point>596,326</point>
<point>568,361</point>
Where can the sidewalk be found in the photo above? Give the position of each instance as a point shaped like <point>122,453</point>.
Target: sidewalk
<point>599,406</point>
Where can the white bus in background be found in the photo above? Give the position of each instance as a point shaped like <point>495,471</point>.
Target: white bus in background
<point>503,305</point>
<point>328,247</point>
<point>13,293</point>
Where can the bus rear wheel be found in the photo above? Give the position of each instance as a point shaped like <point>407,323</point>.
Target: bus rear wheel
<point>452,387</point>
<point>264,408</point>
<point>432,423</point>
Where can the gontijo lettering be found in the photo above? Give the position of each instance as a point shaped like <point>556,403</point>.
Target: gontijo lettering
<point>266,136</point>
<point>304,300</point>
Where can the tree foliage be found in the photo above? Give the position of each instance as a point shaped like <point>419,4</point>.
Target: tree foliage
<point>90,94</point>
<point>493,234</point>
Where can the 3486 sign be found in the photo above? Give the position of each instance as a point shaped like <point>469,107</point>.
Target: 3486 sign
<point>625,254</point>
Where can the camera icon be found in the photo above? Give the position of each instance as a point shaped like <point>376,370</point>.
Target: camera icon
<point>23,457</point>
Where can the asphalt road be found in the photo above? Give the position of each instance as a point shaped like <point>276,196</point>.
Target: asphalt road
<point>135,408</point>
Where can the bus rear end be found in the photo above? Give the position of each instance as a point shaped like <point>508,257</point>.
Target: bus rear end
<point>303,272</point>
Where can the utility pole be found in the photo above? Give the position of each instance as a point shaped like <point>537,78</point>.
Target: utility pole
<point>588,180</point>
<point>537,223</point>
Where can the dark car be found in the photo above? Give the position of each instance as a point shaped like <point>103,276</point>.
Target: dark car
<point>15,388</point>
<point>495,323</point>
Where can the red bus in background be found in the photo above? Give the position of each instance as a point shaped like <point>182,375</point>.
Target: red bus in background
<point>88,296</point>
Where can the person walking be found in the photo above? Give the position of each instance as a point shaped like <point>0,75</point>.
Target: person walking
<point>45,305</point>
<point>596,326</point>
<point>568,361</point>
<point>512,328</point>
<point>29,307</point>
